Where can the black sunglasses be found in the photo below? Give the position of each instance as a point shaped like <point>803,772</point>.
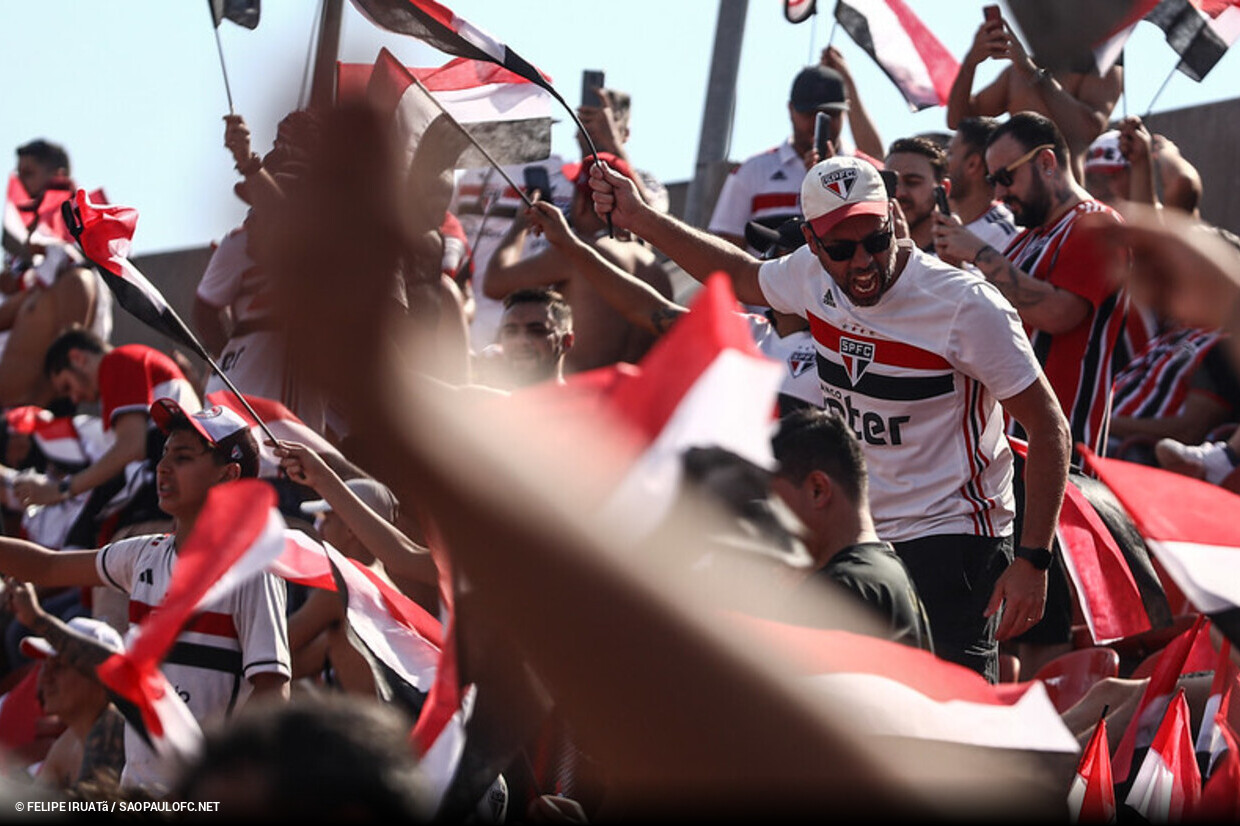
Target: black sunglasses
<point>873,243</point>
<point>1003,175</point>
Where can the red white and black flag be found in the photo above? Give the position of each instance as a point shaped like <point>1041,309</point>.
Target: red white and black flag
<point>105,235</point>
<point>1200,31</point>
<point>505,113</point>
<point>242,12</point>
<point>903,46</point>
<point>438,26</point>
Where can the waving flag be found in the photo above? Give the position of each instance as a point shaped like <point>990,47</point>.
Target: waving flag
<point>1168,785</point>
<point>236,536</point>
<point>798,11</point>
<point>1190,527</point>
<point>1092,796</point>
<point>1078,37</point>
<point>917,63</point>
<point>1153,703</point>
<point>1211,739</point>
<point>242,12</point>
<point>438,26</point>
<point>1220,799</point>
<point>507,114</point>
<point>105,234</point>
<point>1200,31</point>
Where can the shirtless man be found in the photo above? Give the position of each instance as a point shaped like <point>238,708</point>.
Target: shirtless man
<point>603,335</point>
<point>1080,103</point>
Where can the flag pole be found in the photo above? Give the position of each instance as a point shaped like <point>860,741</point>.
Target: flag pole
<point>1154,100</point>
<point>224,69</point>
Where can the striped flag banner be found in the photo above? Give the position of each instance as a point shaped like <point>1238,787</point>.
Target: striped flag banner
<point>903,46</point>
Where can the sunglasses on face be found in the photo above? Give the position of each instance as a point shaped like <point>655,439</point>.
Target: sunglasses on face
<point>1003,175</point>
<point>873,243</point>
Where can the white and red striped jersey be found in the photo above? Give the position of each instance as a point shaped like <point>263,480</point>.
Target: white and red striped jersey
<point>918,377</point>
<point>133,376</point>
<point>227,642</point>
<point>765,188</point>
<point>1078,363</point>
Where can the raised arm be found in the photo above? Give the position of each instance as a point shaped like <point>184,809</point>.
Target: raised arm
<point>129,446</point>
<point>400,554</point>
<point>699,253</point>
<point>507,271</point>
<point>992,40</point>
<point>82,652</point>
<point>1041,305</point>
<point>864,132</point>
<point>639,303</point>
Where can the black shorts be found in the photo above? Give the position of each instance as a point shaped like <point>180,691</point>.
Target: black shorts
<point>955,575</point>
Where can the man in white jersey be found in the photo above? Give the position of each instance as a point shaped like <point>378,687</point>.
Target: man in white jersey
<point>234,646</point>
<point>921,359</point>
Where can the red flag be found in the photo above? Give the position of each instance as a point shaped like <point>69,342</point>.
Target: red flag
<point>1168,784</point>
<point>1092,796</point>
<point>917,63</point>
<point>1158,692</point>
<point>235,537</point>
<point>282,422</point>
<point>1220,799</point>
<point>106,237</point>
<point>1190,526</point>
<point>893,689</point>
<point>1211,739</point>
<point>438,26</point>
<point>507,114</point>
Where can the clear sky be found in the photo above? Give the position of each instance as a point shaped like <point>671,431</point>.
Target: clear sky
<point>134,90</point>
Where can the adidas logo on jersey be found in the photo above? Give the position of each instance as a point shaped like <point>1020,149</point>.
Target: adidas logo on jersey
<point>828,299</point>
<point>779,175</point>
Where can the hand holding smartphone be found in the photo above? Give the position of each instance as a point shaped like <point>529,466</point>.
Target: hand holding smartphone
<point>537,180</point>
<point>591,82</point>
<point>822,136</point>
<point>992,13</point>
<point>940,200</point>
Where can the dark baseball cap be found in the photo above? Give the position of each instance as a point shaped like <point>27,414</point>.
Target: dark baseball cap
<point>818,88</point>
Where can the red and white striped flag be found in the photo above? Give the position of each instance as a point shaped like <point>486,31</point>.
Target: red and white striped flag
<point>1091,799</point>
<point>438,26</point>
<point>1211,739</point>
<point>237,534</point>
<point>1190,527</point>
<point>507,114</point>
<point>1220,799</point>
<point>1167,787</point>
<point>1158,692</point>
<point>106,237</point>
<point>891,689</point>
<point>917,63</point>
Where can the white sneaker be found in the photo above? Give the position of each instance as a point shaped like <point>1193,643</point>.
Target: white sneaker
<point>1209,461</point>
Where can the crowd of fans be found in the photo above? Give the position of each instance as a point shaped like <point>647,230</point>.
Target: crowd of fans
<point>1038,275</point>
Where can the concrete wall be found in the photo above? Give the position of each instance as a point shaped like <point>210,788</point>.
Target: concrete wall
<point>1206,136</point>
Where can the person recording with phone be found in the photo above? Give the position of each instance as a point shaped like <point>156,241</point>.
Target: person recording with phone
<point>920,167</point>
<point>605,114</point>
<point>764,188</point>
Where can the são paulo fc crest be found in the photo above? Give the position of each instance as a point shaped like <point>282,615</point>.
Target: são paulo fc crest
<point>800,361</point>
<point>857,356</point>
<point>840,182</point>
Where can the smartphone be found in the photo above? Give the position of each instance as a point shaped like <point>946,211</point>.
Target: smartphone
<point>940,199</point>
<point>991,12</point>
<point>822,135</point>
<point>889,180</point>
<point>591,82</point>
<point>536,178</point>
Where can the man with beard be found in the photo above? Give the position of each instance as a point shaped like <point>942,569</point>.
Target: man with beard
<point>1056,277</point>
<point>1059,280</point>
<point>971,196</point>
<point>921,360</point>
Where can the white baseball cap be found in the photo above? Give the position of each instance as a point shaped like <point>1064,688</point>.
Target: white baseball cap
<point>38,648</point>
<point>1104,154</point>
<point>839,188</point>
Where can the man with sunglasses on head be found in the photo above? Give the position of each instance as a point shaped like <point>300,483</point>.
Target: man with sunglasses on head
<point>921,360</point>
<point>1062,284</point>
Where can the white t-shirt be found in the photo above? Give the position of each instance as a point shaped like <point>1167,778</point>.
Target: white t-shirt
<point>917,377</point>
<point>227,642</point>
<point>995,226</point>
<point>765,188</point>
<point>795,352</point>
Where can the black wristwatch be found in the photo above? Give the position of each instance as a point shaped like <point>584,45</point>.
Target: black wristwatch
<point>1039,558</point>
